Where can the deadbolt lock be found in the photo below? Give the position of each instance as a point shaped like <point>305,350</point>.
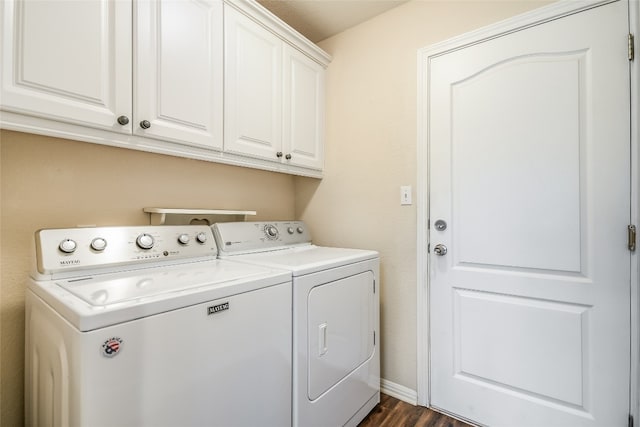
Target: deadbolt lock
<point>440,225</point>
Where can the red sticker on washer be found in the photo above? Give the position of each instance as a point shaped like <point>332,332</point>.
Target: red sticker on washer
<point>111,347</point>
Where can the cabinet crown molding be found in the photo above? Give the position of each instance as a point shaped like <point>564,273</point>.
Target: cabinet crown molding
<point>283,30</point>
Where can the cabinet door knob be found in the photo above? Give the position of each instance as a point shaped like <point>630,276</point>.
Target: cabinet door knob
<point>123,120</point>
<point>288,157</point>
<point>279,154</point>
<point>145,124</point>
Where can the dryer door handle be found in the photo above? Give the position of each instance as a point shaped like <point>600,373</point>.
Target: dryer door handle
<point>322,339</point>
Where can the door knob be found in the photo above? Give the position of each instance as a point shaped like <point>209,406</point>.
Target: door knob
<point>145,124</point>
<point>440,249</point>
<point>123,120</point>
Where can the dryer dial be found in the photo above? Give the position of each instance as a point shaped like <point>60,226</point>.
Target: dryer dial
<point>201,237</point>
<point>271,231</point>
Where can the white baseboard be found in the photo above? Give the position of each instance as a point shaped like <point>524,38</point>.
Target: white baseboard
<point>398,391</point>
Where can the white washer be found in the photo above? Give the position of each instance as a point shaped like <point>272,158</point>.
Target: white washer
<point>143,326</point>
<point>336,362</point>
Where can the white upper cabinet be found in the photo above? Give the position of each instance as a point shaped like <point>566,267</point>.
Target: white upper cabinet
<point>216,80</point>
<point>303,107</point>
<point>178,71</point>
<point>274,96</point>
<point>253,87</point>
<point>67,60</point>
<point>71,61</point>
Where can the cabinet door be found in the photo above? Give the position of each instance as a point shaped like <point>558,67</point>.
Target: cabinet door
<point>178,72</point>
<point>303,110</point>
<point>67,60</point>
<point>253,88</point>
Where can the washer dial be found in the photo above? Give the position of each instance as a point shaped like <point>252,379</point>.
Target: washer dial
<point>145,241</point>
<point>68,246</point>
<point>98,244</point>
<point>183,239</point>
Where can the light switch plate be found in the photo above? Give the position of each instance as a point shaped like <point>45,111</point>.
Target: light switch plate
<point>405,195</point>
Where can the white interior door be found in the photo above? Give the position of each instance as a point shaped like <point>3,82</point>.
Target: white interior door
<point>529,167</point>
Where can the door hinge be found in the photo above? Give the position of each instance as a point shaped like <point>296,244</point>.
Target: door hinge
<point>631,47</point>
<point>630,420</point>
<point>631,236</point>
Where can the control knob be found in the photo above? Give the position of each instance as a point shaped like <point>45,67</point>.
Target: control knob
<point>68,246</point>
<point>98,244</point>
<point>300,230</point>
<point>201,237</point>
<point>183,239</point>
<point>290,230</point>
<point>145,241</point>
<point>271,231</point>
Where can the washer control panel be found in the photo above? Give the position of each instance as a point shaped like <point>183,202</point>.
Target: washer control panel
<point>103,247</point>
<point>243,237</point>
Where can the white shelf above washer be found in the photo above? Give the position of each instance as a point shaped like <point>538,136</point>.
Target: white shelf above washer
<point>170,216</point>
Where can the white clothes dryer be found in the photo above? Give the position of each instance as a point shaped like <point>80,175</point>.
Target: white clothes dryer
<point>143,326</point>
<point>336,361</point>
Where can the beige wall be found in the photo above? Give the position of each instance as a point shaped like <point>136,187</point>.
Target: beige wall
<point>371,150</point>
<point>48,182</point>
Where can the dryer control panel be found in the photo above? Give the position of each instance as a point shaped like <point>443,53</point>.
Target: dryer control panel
<point>83,250</point>
<point>245,237</point>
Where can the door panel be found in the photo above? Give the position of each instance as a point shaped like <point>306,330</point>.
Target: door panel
<point>529,165</point>
<point>486,346</point>
<point>523,141</point>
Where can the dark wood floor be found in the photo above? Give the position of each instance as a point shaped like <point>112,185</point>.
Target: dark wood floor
<point>391,412</point>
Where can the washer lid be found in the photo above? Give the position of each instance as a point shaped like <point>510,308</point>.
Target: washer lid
<point>123,287</point>
<point>307,259</point>
<point>93,302</point>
